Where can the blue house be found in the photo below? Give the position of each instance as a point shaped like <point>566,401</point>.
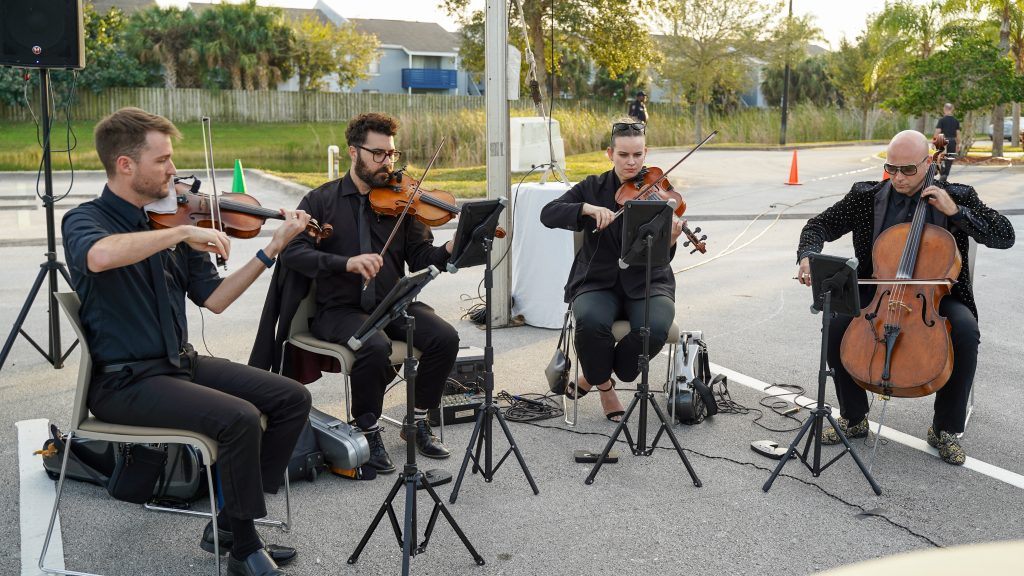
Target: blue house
<point>415,58</point>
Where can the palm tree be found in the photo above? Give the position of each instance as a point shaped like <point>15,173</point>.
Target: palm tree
<point>162,35</point>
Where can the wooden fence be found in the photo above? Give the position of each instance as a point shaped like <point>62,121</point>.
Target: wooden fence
<point>190,104</point>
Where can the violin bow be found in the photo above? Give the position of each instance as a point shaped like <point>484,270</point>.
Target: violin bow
<point>650,186</point>
<point>218,222</point>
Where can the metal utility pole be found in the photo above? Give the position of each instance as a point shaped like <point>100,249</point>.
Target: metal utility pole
<point>498,183</point>
<point>785,84</point>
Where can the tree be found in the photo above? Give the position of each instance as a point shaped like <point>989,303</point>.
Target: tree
<point>1003,12</point>
<point>970,68</point>
<point>610,32</point>
<point>809,81</point>
<point>321,49</point>
<point>862,76</point>
<point>911,32</point>
<point>708,47</point>
<point>164,36</point>
<point>252,43</point>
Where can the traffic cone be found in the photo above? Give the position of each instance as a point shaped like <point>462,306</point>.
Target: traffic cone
<point>238,184</point>
<point>885,176</point>
<point>793,180</point>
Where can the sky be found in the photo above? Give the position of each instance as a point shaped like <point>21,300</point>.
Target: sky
<point>836,18</point>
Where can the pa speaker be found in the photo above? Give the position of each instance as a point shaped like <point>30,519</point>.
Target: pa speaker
<point>42,34</point>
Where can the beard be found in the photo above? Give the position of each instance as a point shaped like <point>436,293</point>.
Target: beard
<point>373,179</point>
<point>151,188</point>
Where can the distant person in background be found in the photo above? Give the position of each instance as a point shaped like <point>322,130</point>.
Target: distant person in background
<point>949,127</point>
<point>638,107</point>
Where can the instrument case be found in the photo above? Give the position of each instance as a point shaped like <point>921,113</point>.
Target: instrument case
<point>344,446</point>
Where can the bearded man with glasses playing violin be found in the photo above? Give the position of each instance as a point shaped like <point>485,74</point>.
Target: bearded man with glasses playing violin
<point>867,210</point>
<point>598,290</point>
<point>350,259</point>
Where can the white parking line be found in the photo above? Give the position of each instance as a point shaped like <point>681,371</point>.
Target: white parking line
<point>990,470</point>
<point>36,500</point>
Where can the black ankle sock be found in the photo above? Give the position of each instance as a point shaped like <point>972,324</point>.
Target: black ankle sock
<point>246,540</point>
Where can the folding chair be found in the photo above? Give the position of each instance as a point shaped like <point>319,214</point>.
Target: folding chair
<point>83,425</point>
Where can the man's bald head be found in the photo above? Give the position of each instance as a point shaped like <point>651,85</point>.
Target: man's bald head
<point>909,147</point>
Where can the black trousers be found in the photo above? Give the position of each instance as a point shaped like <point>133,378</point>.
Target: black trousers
<point>437,340</point>
<point>950,400</point>
<point>223,400</point>
<point>598,353</point>
<point>950,156</point>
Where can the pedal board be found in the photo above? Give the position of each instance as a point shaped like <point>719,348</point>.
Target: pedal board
<point>458,408</point>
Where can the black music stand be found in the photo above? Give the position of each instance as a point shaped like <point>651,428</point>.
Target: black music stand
<point>646,239</point>
<point>834,287</point>
<point>472,247</point>
<point>394,307</point>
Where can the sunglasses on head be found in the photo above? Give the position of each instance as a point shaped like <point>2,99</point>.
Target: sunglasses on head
<point>627,126</point>
<point>907,169</point>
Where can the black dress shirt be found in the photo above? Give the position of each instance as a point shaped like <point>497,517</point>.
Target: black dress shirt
<point>866,204</point>
<point>119,309</point>
<point>337,203</point>
<point>596,266</point>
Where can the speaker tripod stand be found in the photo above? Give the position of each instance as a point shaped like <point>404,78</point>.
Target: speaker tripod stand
<point>47,270</point>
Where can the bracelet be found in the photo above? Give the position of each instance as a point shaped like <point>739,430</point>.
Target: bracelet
<point>267,260</point>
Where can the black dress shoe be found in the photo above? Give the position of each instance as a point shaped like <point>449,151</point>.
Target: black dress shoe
<point>379,459</point>
<point>258,563</point>
<point>281,555</point>
<point>426,443</point>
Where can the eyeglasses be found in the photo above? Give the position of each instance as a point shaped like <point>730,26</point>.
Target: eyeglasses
<point>908,169</point>
<point>627,126</point>
<point>379,155</point>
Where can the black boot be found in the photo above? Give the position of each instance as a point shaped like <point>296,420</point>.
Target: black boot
<point>258,563</point>
<point>426,443</point>
<point>379,459</point>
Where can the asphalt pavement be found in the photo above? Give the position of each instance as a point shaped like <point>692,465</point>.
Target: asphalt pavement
<point>642,515</point>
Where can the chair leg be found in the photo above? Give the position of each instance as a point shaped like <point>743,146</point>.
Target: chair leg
<point>213,519</point>
<point>56,505</point>
<point>670,382</point>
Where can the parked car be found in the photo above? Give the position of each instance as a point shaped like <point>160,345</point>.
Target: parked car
<point>1007,128</point>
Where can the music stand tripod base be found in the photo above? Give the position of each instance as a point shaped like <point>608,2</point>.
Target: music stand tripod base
<point>646,229</point>
<point>391,308</point>
<point>473,241</point>
<point>830,276</point>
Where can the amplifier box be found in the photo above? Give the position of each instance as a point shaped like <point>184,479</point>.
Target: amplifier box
<point>458,408</point>
<point>468,371</point>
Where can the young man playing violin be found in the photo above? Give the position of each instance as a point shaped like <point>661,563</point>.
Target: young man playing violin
<point>867,210</point>
<point>132,282</point>
<point>351,258</point>
<point>597,289</point>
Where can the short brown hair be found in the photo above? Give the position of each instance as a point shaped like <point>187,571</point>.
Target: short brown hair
<point>123,133</point>
<point>355,134</point>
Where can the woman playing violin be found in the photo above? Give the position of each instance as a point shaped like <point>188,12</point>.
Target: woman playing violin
<point>869,209</point>
<point>352,275</point>
<point>597,289</point>
<point>132,283</point>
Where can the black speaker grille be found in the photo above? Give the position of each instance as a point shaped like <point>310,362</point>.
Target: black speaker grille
<point>41,34</point>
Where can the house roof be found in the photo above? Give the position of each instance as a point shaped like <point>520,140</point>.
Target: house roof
<point>414,36</point>
<point>126,6</point>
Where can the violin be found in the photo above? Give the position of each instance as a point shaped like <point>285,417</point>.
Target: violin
<point>432,207</point>
<point>901,345</point>
<point>650,183</point>
<point>241,215</point>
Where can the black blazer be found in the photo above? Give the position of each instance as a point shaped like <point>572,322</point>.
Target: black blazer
<point>596,266</point>
<point>862,212</point>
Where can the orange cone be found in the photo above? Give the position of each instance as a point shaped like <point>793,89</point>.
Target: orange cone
<point>885,176</point>
<point>793,180</point>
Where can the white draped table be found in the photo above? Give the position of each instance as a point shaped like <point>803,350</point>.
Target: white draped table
<point>541,257</point>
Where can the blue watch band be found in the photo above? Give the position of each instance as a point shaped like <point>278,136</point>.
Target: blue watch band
<point>267,260</point>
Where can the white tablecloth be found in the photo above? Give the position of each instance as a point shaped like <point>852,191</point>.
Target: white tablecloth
<point>541,257</point>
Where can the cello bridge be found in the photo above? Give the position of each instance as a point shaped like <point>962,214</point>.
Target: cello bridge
<point>894,304</point>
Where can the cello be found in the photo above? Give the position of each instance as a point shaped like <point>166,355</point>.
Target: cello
<point>901,345</point>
